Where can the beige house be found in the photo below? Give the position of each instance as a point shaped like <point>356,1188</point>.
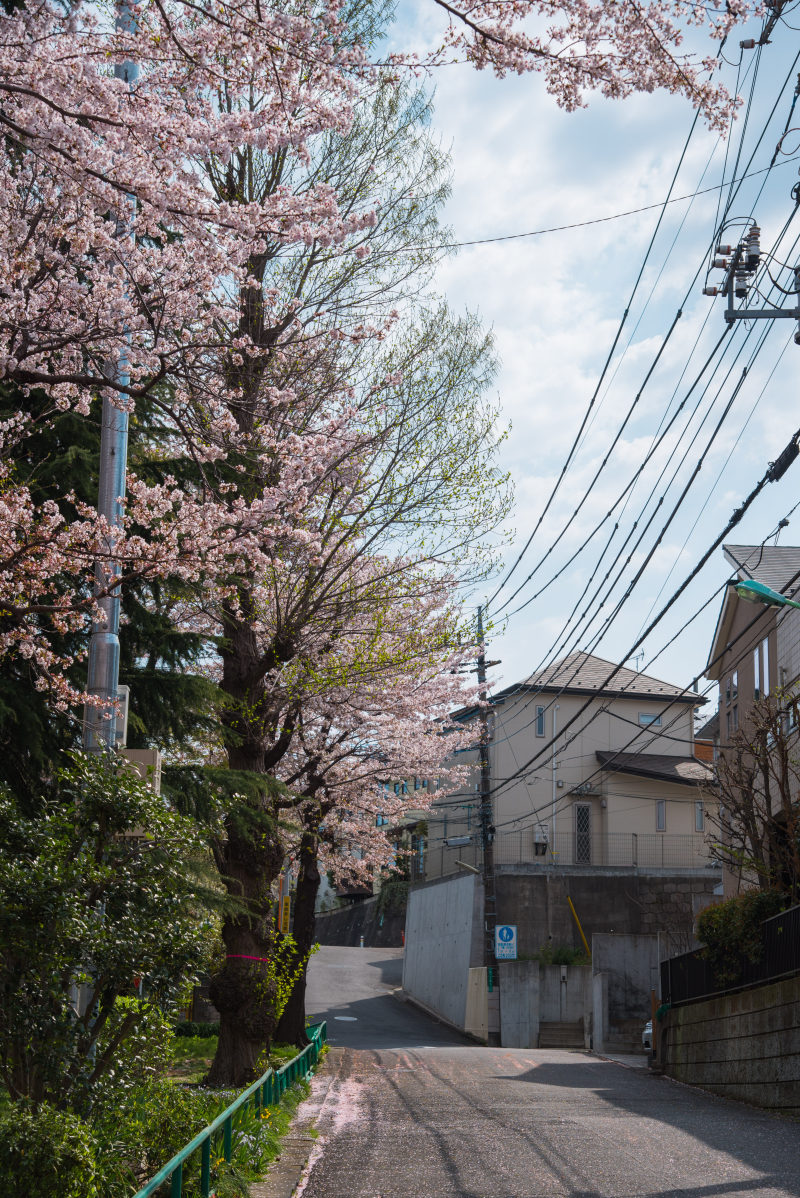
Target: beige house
<point>586,770</point>
<point>755,651</point>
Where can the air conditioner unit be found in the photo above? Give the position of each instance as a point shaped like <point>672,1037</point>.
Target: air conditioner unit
<point>457,842</point>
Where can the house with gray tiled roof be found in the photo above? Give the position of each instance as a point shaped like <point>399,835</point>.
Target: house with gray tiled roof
<point>592,764</point>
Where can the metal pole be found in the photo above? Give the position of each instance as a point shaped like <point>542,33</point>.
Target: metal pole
<point>554,764</point>
<point>100,722</point>
<point>487,821</point>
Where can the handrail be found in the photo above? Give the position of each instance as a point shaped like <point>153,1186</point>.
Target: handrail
<point>269,1087</point>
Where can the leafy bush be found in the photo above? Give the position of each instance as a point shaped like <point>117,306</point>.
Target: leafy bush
<point>45,1154</point>
<point>137,1137</point>
<point>89,902</point>
<point>561,954</point>
<point>186,1028</point>
<point>142,1054</point>
<point>731,931</point>
<point>393,895</point>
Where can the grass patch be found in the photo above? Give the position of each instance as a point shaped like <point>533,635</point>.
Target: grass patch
<point>256,1142</point>
<point>192,1057</point>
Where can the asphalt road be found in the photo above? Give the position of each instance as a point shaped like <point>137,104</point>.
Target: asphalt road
<point>408,1109</point>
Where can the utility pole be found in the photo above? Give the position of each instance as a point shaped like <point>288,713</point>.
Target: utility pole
<point>487,821</point>
<point>100,721</point>
<point>740,263</point>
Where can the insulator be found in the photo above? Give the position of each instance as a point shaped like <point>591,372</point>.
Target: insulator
<point>749,43</point>
<point>719,264</point>
<point>740,287</point>
<point>753,247</point>
<point>724,249</point>
<point>711,291</point>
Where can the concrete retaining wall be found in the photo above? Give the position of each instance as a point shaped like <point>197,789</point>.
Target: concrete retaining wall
<point>745,1045</point>
<point>348,924</point>
<point>630,966</point>
<point>519,1004</point>
<point>563,993</point>
<point>532,994</point>
<point>441,944</point>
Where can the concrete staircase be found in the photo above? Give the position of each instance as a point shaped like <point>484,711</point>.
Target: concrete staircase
<point>561,1035</point>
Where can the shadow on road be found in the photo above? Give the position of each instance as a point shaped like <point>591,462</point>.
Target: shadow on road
<point>384,1022</point>
<point>764,1142</point>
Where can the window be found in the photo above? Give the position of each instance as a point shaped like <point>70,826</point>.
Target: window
<point>756,678</point>
<point>734,718</point>
<point>699,817</point>
<point>734,684</point>
<point>727,690</point>
<point>540,721</point>
<point>646,718</point>
<point>765,669</point>
<point>661,815</point>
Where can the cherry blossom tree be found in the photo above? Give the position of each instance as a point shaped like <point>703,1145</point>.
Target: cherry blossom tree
<point>80,294</point>
<point>184,227</point>
<point>370,705</point>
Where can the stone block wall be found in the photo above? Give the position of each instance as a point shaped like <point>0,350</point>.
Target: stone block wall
<point>363,918</point>
<point>607,900</point>
<point>744,1045</point>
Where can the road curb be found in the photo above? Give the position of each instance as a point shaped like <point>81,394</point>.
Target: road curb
<point>286,1171</point>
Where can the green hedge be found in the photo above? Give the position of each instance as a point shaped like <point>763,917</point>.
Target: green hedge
<point>731,931</point>
<point>185,1028</point>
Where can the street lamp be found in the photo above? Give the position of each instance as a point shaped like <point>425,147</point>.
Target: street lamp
<point>759,592</point>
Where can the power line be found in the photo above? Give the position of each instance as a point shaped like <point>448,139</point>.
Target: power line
<point>597,220</point>
<point>768,477</point>
<point>733,183</point>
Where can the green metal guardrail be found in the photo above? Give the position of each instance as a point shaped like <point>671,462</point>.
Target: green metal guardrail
<point>268,1089</point>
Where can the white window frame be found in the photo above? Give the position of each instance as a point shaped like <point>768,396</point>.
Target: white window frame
<point>756,673</point>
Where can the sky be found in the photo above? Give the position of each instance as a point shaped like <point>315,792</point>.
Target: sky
<point>554,302</point>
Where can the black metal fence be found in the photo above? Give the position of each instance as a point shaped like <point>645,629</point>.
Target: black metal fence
<point>690,976</point>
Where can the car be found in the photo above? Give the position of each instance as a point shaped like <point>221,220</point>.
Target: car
<point>647,1036</point>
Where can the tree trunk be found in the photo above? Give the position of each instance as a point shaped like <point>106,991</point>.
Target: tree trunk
<point>244,990</point>
<point>291,1028</point>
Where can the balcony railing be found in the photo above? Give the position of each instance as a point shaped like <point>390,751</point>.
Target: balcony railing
<point>626,850</point>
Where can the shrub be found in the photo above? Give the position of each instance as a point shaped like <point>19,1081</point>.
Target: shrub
<point>143,1054</point>
<point>187,1028</point>
<point>393,896</point>
<point>731,931</point>
<point>561,954</point>
<point>137,1137</point>
<point>46,1154</point>
<point>115,906</point>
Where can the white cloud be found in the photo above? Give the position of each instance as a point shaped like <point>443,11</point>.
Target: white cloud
<point>554,302</point>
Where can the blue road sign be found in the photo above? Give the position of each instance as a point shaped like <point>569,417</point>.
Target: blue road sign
<point>505,942</point>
